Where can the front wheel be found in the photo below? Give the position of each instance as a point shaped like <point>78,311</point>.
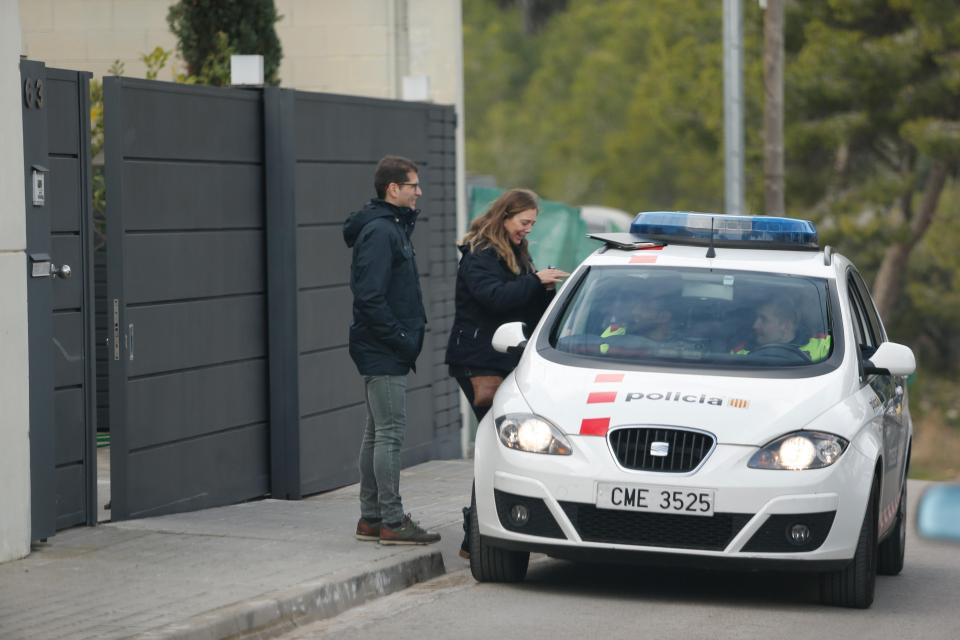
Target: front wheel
<point>490,564</point>
<point>853,586</point>
<point>892,550</point>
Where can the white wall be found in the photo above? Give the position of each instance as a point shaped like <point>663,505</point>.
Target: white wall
<point>14,421</point>
<point>356,47</point>
<point>365,47</point>
<point>88,35</point>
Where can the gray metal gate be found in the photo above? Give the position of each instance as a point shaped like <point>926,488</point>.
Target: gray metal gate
<point>60,297</point>
<point>186,300</point>
<point>321,154</point>
<point>224,252</point>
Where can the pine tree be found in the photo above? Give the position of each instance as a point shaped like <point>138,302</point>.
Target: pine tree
<point>875,125</point>
<point>247,24</point>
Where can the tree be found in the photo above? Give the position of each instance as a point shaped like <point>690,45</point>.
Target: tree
<point>613,102</point>
<point>535,13</point>
<point>930,310</point>
<point>209,31</point>
<point>773,108</point>
<point>874,96</point>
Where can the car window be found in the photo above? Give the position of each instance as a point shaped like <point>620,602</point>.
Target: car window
<point>857,314</point>
<point>866,338</point>
<point>663,315</point>
<point>872,316</point>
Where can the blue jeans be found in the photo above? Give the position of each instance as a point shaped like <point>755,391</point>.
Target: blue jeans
<point>380,450</point>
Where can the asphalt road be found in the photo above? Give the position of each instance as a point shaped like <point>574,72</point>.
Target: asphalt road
<point>565,600</point>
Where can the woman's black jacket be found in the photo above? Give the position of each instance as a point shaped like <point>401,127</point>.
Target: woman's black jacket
<point>489,295</point>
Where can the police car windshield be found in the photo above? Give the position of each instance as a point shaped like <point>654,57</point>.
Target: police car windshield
<point>733,319</point>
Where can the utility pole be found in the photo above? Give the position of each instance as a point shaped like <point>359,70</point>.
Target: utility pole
<point>773,191</point>
<point>733,106</point>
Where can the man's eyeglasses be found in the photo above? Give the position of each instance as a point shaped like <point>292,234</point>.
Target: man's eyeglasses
<point>415,185</point>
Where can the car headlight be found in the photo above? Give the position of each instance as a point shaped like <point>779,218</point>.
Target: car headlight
<point>528,432</point>
<point>800,450</point>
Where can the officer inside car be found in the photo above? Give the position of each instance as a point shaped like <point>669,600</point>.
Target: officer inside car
<point>646,318</point>
<point>778,322</point>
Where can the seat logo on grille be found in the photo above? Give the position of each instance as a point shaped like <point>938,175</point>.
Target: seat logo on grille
<point>660,449</point>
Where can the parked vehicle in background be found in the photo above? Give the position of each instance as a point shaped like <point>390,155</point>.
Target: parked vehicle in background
<point>601,219</point>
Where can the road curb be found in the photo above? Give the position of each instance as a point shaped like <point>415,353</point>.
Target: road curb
<point>271,613</point>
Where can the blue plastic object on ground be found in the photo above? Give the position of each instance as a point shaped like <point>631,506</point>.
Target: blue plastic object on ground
<point>938,514</point>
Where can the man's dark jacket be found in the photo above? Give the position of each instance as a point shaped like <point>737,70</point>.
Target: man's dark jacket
<point>488,295</point>
<point>388,317</point>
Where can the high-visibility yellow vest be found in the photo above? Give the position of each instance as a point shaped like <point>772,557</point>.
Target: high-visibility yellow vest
<point>609,332</point>
<point>818,347</point>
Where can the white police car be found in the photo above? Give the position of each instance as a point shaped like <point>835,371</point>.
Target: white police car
<point>707,390</point>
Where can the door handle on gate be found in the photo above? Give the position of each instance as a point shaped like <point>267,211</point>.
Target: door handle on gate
<point>43,268</point>
<point>63,271</point>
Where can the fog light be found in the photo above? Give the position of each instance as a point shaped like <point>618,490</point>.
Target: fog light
<point>799,534</point>
<point>519,515</point>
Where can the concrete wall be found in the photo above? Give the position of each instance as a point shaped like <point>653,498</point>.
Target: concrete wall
<point>88,35</point>
<point>365,47</point>
<point>14,425</point>
<point>355,47</point>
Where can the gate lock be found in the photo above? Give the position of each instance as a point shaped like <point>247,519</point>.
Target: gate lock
<point>42,267</point>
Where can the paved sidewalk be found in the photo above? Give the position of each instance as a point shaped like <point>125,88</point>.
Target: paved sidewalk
<point>220,572</point>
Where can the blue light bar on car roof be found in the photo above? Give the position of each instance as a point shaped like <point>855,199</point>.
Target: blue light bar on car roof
<point>727,231</point>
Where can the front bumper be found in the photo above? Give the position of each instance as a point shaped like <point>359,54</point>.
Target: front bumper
<point>753,509</point>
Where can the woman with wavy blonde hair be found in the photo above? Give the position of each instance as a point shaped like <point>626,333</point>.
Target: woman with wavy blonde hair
<point>501,228</point>
<point>496,283</point>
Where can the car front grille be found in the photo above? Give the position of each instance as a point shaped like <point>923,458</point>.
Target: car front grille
<point>685,450</point>
<point>654,529</point>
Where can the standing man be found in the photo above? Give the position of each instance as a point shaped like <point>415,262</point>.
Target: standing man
<point>385,339</point>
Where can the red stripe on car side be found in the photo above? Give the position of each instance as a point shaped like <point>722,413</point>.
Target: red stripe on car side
<point>598,397</point>
<point>609,377</point>
<point>594,426</point>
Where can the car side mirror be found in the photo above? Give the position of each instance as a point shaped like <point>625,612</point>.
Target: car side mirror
<point>938,513</point>
<point>892,359</point>
<point>510,338</point>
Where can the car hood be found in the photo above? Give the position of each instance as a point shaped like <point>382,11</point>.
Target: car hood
<point>737,410</point>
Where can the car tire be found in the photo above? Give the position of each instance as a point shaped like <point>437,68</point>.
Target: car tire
<point>490,564</point>
<point>853,586</point>
<point>890,555</point>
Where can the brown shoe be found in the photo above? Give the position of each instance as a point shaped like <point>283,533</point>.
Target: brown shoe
<point>368,531</point>
<point>409,532</point>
